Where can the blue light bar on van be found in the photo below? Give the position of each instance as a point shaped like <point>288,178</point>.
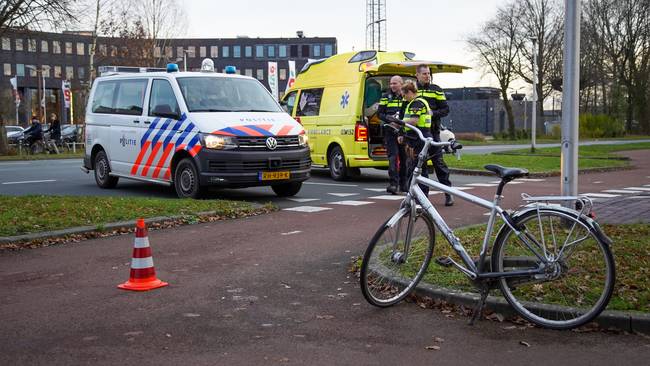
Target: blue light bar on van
<point>172,68</point>
<point>231,69</point>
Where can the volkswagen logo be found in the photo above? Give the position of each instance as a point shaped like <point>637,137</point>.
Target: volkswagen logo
<point>271,143</point>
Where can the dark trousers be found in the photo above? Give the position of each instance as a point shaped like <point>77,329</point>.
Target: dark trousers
<point>397,161</point>
<point>439,166</point>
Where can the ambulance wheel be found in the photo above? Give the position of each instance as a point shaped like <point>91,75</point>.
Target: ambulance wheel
<point>337,166</point>
<point>186,180</point>
<point>286,189</point>
<point>102,171</point>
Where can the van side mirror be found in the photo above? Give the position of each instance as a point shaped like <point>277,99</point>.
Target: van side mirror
<point>164,110</point>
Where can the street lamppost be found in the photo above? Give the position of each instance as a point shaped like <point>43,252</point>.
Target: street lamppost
<point>41,71</point>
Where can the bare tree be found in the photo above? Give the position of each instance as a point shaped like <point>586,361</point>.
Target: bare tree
<point>162,20</point>
<point>497,46</point>
<point>33,14</point>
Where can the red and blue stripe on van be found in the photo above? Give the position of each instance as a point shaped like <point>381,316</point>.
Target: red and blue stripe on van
<point>260,130</point>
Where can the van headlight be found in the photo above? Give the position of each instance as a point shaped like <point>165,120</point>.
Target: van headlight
<point>303,140</point>
<point>218,142</point>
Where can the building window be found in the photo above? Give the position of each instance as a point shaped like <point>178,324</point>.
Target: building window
<point>45,47</point>
<point>57,72</point>
<point>260,74</point>
<point>225,51</point>
<point>6,44</point>
<point>81,73</point>
<point>293,50</point>
<point>305,50</point>
<point>316,50</point>
<point>191,52</point>
<point>202,52</point>
<point>19,44</point>
<point>282,52</point>
<point>270,52</point>
<point>31,45</point>
<point>69,72</point>
<point>169,52</point>
<point>32,70</point>
<point>7,69</point>
<point>248,51</point>
<point>248,72</point>
<point>259,51</point>
<point>236,51</point>
<point>68,48</point>
<point>46,71</point>
<point>80,48</point>
<point>214,51</point>
<point>328,50</point>
<point>283,74</point>
<point>20,70</point>
<point>156,52</point>
<point>56,47</point>
<point>179,51</point>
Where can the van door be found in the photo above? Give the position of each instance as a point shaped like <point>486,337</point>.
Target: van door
<point>162,130</point>
<point>127,119</point>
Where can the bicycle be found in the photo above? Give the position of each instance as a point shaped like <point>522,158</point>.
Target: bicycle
<point>552,264</point>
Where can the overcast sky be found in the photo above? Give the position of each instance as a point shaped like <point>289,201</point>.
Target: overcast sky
<point>433,29</point>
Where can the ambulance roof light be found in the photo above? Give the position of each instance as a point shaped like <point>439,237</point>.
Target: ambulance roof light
<point>231,69</point>
<point>172,68</point>
<point>207,65</point>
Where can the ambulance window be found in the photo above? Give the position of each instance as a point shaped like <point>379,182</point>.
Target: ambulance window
<point>130,96</point>
<point>162,102</point>
<point>309,104</point>
<point>289,101</point>
<point>103,97</point>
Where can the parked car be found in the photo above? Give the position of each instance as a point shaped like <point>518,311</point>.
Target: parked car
<point>14,134</point>
<point>71,133</point>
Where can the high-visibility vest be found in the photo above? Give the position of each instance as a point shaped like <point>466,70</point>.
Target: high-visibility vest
<point>422,114</point>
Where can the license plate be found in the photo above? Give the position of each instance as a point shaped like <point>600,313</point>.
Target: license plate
<point>273,175</point>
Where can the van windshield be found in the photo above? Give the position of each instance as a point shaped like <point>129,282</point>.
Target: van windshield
<point>219,94</point>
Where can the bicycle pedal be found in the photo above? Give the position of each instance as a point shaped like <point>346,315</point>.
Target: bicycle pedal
<point>444,261</point>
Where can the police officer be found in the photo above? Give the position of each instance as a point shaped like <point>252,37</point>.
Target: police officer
<point>435,97</point>
<point>390,105</point>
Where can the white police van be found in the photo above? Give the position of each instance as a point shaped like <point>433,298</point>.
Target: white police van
<point>192,130</point>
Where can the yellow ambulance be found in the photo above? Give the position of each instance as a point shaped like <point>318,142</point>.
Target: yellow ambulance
<point>335,99</point>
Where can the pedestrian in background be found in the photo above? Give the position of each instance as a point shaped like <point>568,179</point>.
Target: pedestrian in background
<point>55,128</point>
<point>389,109</point>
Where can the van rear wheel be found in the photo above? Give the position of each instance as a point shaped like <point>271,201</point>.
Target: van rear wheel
<point>286,189</point>
<point>186,180</point>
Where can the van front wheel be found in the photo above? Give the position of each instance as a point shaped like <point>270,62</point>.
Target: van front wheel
<point>103,170</point>
<point>186,180</point>
<point>337,166</point>
<point>286,189</point>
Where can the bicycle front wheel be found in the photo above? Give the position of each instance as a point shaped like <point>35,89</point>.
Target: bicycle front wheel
<point>577,280</point>
<point>391,268</point>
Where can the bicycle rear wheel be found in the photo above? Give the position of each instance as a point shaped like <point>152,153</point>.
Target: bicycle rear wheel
<point>390,271</point>
<point>578,280</point>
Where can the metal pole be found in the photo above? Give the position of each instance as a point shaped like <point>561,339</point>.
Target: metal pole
<point>43,100</point>
<point>533,125</point>
<point>185,60</point>
<point>570,83</point>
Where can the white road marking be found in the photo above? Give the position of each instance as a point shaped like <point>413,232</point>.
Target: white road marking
<point>531,179</point>
<point>350,203</point>
<point>464,188</point>
<point>482,184</point>
<point>645,189</point>
<point>376,189</point>
<point>307,209</point>
<point>343,194</point>
<point>292,232</point>
<point>620,191</point>
<point>600,195</point>
<point>388,197</point>
<point>646,185</point>
<point>32,181</point>
<point>301,200</point>
<point>332,184</point>
<point>598,182</point>
<point>515,182</point>
<point>495,181</point>
<point>431,193</point>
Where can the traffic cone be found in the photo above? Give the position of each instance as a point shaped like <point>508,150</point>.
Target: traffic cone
<point>143,273</point>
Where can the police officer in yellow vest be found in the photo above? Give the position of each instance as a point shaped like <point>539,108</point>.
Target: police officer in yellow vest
<point>435,97</point>
<point>390,106</point>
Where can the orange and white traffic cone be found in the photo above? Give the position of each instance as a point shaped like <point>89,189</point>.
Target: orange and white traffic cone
<point>143,273</point>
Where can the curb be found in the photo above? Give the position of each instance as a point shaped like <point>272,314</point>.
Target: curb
<point>540,175</point>
<point>105,227</point>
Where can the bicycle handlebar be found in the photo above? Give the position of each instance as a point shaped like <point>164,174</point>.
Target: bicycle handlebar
<point>453,144</point>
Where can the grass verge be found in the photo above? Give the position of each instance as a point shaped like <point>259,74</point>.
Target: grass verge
<point>66,155</point>
<point>545,140</point>
<point>631,255</point>
<point>32,214</point>
<point>589,151</point>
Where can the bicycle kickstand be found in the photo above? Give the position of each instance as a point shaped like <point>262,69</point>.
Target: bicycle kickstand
<point>478,310</point>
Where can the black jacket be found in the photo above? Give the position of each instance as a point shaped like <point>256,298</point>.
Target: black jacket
<point>55,130</point>
<point>435,96</point>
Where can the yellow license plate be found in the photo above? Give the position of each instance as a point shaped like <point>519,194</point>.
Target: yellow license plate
<point>273,175</point>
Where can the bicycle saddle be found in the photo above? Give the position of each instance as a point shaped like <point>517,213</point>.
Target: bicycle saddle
<point>507,174</point>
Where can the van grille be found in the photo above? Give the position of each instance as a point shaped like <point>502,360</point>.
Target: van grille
<point>259,142</point>
<point>258,165</point>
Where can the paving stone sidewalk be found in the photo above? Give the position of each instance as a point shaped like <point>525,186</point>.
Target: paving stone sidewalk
<point>624,210</point>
